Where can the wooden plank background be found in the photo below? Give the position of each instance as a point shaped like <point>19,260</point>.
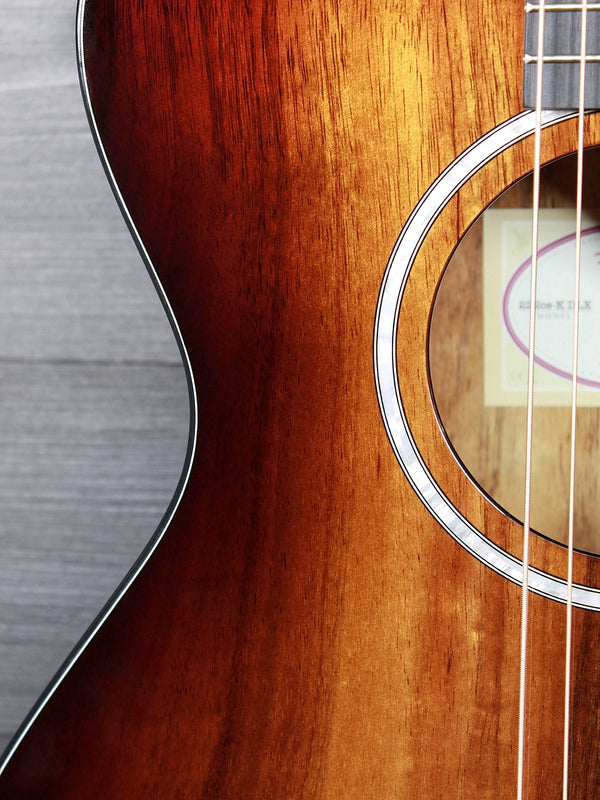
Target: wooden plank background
<point>93,401</point>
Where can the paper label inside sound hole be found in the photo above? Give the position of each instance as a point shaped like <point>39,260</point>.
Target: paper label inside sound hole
<point>506,307</point>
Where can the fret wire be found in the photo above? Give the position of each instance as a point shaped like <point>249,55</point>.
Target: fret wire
<point>530,7</point>
<point>591,59</point>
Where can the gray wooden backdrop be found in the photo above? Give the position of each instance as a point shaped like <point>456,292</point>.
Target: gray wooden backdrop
<point>93,401</point>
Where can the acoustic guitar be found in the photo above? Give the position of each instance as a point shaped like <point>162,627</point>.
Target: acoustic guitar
<point>335,609</point>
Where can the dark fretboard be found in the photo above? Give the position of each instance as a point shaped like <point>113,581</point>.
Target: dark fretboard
<point>561,54</point>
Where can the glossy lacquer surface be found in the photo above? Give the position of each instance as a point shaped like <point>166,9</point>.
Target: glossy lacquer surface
<point>305,629</point>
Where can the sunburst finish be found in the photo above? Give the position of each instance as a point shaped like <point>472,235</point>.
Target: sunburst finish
<point>305,629</point>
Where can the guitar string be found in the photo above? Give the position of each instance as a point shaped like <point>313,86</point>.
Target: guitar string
<point>529,425</point>
<point>575,359</point>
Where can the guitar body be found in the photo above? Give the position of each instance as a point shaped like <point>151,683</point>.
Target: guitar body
<point>305,628</point>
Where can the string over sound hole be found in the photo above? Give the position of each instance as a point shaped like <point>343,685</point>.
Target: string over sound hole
<point>478,353</point>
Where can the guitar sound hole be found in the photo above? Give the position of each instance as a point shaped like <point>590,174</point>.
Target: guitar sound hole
<point>478,361</point>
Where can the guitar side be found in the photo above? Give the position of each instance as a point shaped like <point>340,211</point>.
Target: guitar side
<point>304,628</point>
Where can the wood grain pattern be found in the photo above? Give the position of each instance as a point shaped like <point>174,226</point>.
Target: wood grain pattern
<point>305,629</point>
